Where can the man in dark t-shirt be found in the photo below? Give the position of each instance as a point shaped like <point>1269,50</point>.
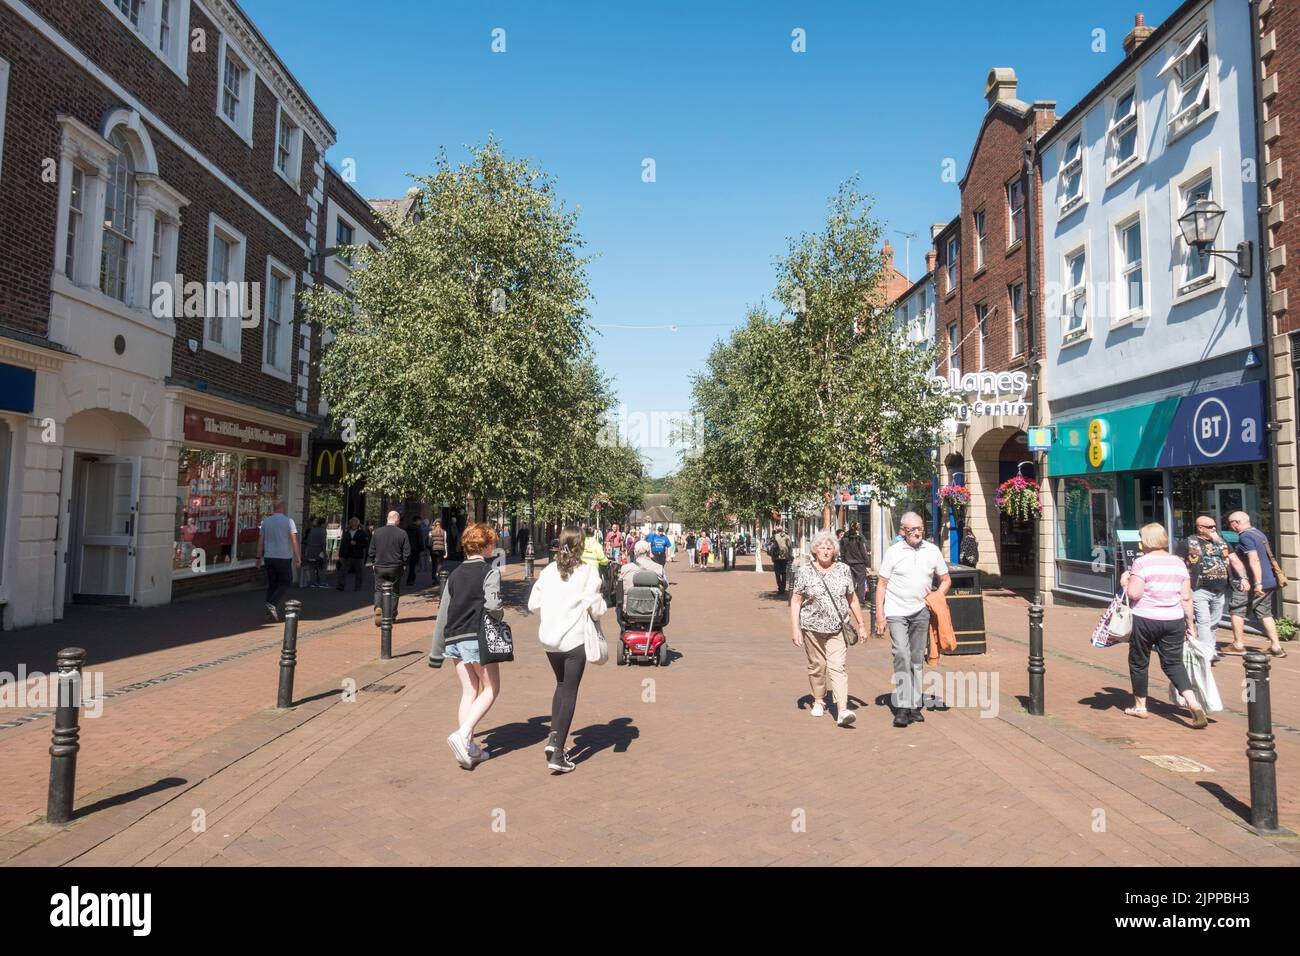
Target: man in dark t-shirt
<point>1255,553</point>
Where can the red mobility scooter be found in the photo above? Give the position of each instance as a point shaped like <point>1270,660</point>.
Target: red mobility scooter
<point>642,611</point>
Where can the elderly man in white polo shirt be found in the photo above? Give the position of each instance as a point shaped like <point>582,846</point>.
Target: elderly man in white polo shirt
<point>906,574</point>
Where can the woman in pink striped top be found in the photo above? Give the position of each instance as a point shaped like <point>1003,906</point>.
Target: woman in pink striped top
<point>1160,593</point>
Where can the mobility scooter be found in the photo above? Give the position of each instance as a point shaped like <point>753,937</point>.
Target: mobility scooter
<point>642,612</point>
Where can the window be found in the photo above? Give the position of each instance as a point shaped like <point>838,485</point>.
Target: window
<point>235,91</point>
<point>119,222</point>
<point>1122,136</point>
<point>288,147</point>
<point>981,235</point>
<point>276,340</point>
<point>1188,69</point>
<point>952,264</point>
<point>1129,256</point>
<point>221,500</point>
<point>225,294</point>
<point>155,269</point>
<point>343,236</point>
<point>1015,212</point>
<point>952,346</point>
<point>74,223</point>
<point>164,25</point>
<point>1197,269</point>
<point>982,323</point>
<point>130,9</point>
<point>1070,176</point>
<point>1016,296</point>
<point>1074,306</point>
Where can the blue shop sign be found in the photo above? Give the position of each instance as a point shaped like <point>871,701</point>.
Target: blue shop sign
<point>1218,427</point>
<point>17,388</point>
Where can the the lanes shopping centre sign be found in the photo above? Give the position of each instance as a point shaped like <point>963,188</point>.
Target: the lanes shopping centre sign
<point>985,394</point>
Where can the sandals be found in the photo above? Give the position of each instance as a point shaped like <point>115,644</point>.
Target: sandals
<point>1199,719</point>
<point>1137,712</point>
<point>1234,650</point>
<point>1280,652</point>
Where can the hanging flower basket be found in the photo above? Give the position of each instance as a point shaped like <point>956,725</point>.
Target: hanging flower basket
<point>956,497</point>
<point>1019,498</point>
<point>1078,492</point>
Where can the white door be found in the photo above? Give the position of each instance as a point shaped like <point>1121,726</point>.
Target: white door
<point>108,505</point>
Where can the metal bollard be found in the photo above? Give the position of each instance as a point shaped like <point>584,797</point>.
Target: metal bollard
<point>66,739</point>
<point>288,654</point>
<point>1260,749</point>
<point>873,580</point>
<point>1037,667</point>
<point>529,558</point>
<point>387,602</point>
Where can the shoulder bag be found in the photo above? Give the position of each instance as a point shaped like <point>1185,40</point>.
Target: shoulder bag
<point>1121,619</point>
<point>847,630</point>
<point>593,640</point>
<point>1282,579</point>
<point>496,642</point>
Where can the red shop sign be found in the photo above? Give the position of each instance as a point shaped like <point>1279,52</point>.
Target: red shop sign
<point>213,429</point>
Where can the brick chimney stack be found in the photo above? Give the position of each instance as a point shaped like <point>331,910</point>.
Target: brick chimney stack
<point>887,254</point>
<point>931,257</point>
<point>1139,35</point>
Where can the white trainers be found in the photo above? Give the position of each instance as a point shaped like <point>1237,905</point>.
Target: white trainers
<point>847,717</point>
<point>459,748</point>
<point>818,709</point>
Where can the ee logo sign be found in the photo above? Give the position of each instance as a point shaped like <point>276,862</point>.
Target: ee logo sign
<point>1098,447</point>
<point>1212,428</point>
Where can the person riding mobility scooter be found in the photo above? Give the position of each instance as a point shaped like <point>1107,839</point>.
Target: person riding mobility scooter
<point>642,611</point>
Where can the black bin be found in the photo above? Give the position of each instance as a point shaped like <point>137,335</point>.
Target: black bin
<point>966,605</point>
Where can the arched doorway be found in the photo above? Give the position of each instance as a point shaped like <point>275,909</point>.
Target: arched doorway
<point>1018,538</point>
<point>1007,545</point>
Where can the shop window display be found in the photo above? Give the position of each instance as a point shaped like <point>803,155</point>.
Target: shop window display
<point>221,500</point>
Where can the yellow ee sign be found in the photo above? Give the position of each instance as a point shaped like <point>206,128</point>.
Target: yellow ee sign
<point>1098,447</point>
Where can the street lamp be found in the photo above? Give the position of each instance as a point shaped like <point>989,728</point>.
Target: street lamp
<point>1200,226</point>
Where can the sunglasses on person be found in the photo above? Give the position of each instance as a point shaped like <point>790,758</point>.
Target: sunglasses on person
<point>1209,526</point>
<point>917,529</point>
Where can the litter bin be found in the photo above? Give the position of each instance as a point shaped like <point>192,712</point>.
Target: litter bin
<point>966,605</point>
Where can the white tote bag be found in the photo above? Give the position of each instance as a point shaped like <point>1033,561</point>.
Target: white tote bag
<point>1197,662</point>
<point>593,638</point>
<point>1121,620</point>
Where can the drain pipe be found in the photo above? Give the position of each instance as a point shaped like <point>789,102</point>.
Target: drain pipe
<point>1272,427</point>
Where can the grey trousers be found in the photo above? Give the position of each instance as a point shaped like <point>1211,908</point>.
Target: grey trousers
<point>908,637</point>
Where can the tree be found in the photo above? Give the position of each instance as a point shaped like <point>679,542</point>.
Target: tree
<point>460,351</point>
<point>833,394</point>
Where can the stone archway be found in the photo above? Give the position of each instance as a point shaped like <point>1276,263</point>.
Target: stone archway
<point>1007,548</point>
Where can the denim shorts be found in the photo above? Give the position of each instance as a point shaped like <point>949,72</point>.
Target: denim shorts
<point>465,650</point>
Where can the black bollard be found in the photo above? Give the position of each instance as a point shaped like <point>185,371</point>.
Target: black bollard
<point>1260,749</point>
<point>872,580</point>
<point>288,654</point>
<point>529,558</point>
<point>387,603</point>
<point>66,740</point>
<point>1036,665</point>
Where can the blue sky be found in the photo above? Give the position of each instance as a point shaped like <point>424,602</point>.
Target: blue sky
<point>749,138</point>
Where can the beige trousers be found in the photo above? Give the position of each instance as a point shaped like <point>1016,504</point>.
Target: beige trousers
<point>826,657</point>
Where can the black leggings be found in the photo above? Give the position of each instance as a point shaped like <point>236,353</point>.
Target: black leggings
<point>568,667</point>
<point>1164,637</point>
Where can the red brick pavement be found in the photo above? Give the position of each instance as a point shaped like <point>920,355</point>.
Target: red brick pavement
<point>713,760</point>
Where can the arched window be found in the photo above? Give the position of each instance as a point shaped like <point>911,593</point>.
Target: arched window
<point>119,220</point>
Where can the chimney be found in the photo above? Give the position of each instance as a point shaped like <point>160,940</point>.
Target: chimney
<point>936,228</point>
<point>887,255</point>
<point>1000,86</point>
<point>930,258</point>
<point>1139,35</point>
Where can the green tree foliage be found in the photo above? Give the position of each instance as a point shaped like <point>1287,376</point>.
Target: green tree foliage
<point>461,351</point>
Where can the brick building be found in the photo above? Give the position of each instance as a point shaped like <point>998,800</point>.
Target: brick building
<point>989,326</point>
<point>1277,39</point>
<point>162,178</point>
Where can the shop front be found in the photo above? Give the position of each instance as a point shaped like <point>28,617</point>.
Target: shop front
<point>230,474</point>
<point>1163,461</point>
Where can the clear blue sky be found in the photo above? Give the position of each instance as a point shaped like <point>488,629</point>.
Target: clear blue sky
<point>749,138</point>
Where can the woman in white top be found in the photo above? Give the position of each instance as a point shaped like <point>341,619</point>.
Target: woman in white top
<point>568,595</point>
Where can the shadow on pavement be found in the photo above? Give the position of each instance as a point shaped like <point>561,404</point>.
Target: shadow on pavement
<point>166,783</point>
<point>1229,802</point>
<point>589,741</point>
<point>517,736</point>
<point>773,598</point>
<point>1109,697</point>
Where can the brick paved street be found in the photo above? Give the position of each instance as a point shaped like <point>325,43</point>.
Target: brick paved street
<point>712,760</point>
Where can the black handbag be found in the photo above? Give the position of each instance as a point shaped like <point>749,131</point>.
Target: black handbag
<point>496,642</point>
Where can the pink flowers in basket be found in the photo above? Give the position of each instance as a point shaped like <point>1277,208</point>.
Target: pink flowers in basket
<point>1018,498</point>
<point>956,497</point>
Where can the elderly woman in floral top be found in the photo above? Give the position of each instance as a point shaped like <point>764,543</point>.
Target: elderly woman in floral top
<point>823,599</point>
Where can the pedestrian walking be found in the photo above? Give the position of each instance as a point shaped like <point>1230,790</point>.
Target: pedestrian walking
<point>438,546</point>
<point>969,550</point>
<point>472,590</point>
<point>1160,593</point>
<point>853,552</point>
<point>415,538</point>
<point>824,600</point>
<point>690,549</point>
<point>702,549</point>
<point>614,543</point>
<point>659,544</point>
<point>593,552</point>
<point>1209,560</point>
<point>780,549</point>
<point>568,596</point>
<point>353,545</point>
<point>522,538</point>
<point>277,545</point>
<point>314,551</point>
<point>389,552</point>
<point>907,575</point>
<point>1257,556</point>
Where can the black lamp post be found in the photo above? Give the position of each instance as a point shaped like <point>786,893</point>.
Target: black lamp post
<point>1200,227</point>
